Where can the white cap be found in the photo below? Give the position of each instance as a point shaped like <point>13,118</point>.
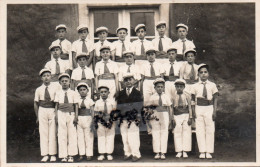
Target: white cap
<point>180,81</point>
<point>82,54</point>
<point>103,86</point>
<point>139,26</point>
<point>63,75</point>
<point>128,52</point>
<point>120,28</point>
<point>182,25</point>
<point>190,50</point>
<point>203,65</point>
<point>82,27</point>
<point>128,75</point>
<point>82,84</point>
<point>43,71</point>
<point>171,48</point>
<point>158,80</point>
<point>60,26</point>
<point>161,23</point>
<point>150,49</point>
<point>104,47</point>
<point>99,29</point>
<point>54,45</point>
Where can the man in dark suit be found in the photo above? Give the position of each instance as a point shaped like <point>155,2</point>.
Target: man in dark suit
<point>130,103</point>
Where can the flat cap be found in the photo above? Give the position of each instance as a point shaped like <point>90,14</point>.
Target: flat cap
<point>103,86</point>
<point>161,23</point>
<point>128,52</point>
<point>121,28</point>
<point>82,54</point>
<point>64,75</point>
<point>180,81</point>
<point>182,25</point>
<point>139,26</point>
<point>202,66</point>
<point>171,48</point>
<point>54,45</point>
<point>104,47</point>
<point>82,27</point>
<point>158,80</point>
<point>190,50</point>
<point>43,71</point>
<point>128,75</point>
<point>99,29</point>
<point>82,84</point>
<point>60,26</point>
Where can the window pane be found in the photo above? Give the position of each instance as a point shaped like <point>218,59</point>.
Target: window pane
<point>146,18</point>
<point>108,19</point>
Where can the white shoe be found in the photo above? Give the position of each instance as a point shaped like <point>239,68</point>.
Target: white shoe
<point>208,156</point>
<point>163,156</point>
<point>70,159</point>
<point>185,155</point>
<point>202,155</point>
<point>179,155</point>
<point>101,158</point>
<point>45,158</point>
<point>64,159</point>
<point>157,156</point>
<point>53,158</point>
<point>109,157</point>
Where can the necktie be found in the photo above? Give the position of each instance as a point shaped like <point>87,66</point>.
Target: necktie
<point>123,47</point>
<point>192,72</point>
<point>82,103</point>
<point>142,48</point>
<point>128,91</point>
<point>102,43</point>
<point>60,45</point>
<point>57,67</point>
<point>66,100</point>
<point>160,44</point>
<point>83,76</point>
<point>106,70</point>
<point>47,96</point>
<point>160,100</point>
<point>204,94</point>
<point>180,103</point>
<point>105,107</point>
<point>128,70</point>
<point>152,71</point>
<point>184,46</point>
<point>171,73</point>
<point>84,46</point>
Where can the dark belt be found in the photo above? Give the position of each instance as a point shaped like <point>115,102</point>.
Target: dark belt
<point>181,110</point>
<point>140,57</point>
<point>179,57</point>
<point>106,76</point>
<point>54,77</point>
<point>84,112</point>
<point>46,104</point>
<point>162,109</point>
<point>87,81</point>
<point>204,102</point>
<point>119,59</point>
<point>190,81</point>
<point>171,78</point>
<point>64,56</point>
<point>66,107</point>
<point>151,78</point>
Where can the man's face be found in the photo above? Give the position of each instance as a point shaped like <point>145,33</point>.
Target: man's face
<point>182,32</point>
<point>161,30</point>
<point>103,93</point>
<point>159,87</point>
<point>190,57</point>
<point>129,59</point>
<point>83,34</point>
<point>46,77</point>
<point>61,33</point>
<point>129,82</point>
<point>151,56</point>
<point>65,82</point>
<point>83,91</point>
<point>105,53</point>
<point>102,35</point>
<point>82,61</point>
<point>56,52</point>
<point>179,88</point>
<point>122,34</point>
<point>141,33</point>
<point>203,74</point>
<point>172,55</point>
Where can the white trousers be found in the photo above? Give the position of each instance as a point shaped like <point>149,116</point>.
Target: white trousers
<point>106,139</point>
<point>182,133</point>
<point>148,90</point>
<point>160,132</point>
<point>131,139</point>
<point>111,84</point>
<point>67,134</point>
<point>47,130</point>
<point>205,128</point>
<point>85,136</point>
<point>170,89</point>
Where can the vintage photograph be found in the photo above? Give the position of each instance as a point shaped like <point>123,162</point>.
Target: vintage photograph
<point>131,83</point>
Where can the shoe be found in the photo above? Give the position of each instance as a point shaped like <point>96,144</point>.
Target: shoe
<point>185,155</point>
<point>127,157</point>
<point>135,158</point>
<point>89,158</point>
<point>202,155</point>
<point>208,156</point>
<point>53,158</point>
<point>64,159</point>
<point>101,157</point>
<point>178,155</point>
<point>163,156</point>
<point>80,158</point>
<point>157,156</point>
<point>70,159</point>
<point>109,157</point>
<point>45,158</point>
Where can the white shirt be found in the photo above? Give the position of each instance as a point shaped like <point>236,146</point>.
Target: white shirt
<point>179,45</point>
<point>186,70</point>
<point>111,65</point>
<point>146,69</point>
<point>166,42</point>
<point>197,89</point>
<point>176,68</point>
<point>65,45</point>
<point>97,46</point>
<point>154,100</point>
<point>130,90</point>
<point>88,102</point>
<point>99,106</point>
<point>73,97</point>
<point>77,73</point>
<point>136,46</point>
<point>133,69</point>
<point>51,65</point>
<point>40,92</point>
<point>77,46</point>
<point>117,45</point>
<point>184,96</point>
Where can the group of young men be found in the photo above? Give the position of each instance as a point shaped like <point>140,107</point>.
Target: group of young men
<point>90,87</point>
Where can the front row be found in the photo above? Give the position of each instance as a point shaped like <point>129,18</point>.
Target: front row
<point>77,116</point>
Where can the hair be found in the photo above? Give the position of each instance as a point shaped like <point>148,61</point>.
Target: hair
<point>81,57</point>
<point>82,86</point>
<point>181,27</point>
<point>141,28</point>
<point>61,28</point>
<point>45,72</point>
<point>205,66</point>
<point>103,87</point>
<point>65,77</point>
<point>158,83</point>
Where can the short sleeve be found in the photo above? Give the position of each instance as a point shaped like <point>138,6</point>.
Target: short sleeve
<point>115,68</point>
<point>91,74</point>
<point>168,101</point>
<point>47,66</point>
<point>73,46</point>
<point>91,103</point>
<point>37,95</point>
<point>174,44</point>
<point>192,45</point>
<point>76,97</point>
<point>214,89</point>
<point>73,75</point>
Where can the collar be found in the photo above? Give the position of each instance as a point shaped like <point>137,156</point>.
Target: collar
<point>83,97</point>
<point>130,89</point>
<point>65,90</point>
<point>173,62</point>
<point>141,40</point>
<point>45,85</point>
<point>107,61</point>
<point>160,36</point>
<point>185,39</point>
<point>83,39</point>
<point>203,82</point>
<point>57,59</point>
<point>105,41</point>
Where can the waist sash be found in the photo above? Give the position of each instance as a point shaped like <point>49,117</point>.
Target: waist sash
<point>204,102</point>
<point>161,109</point>
<point>46,104</point>
<point>171,78</point>
<point>66,107</point>
<point>84,112</point>
<point>181,110</point>
<point>106,76</point>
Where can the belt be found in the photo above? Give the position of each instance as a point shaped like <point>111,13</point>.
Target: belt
<point>84,112</point>
<point>151,78</point>
<point>189,81</point>
<point>140,57</point>
<point>46,104</point>
<point>204,102</point>
<point>106,76</point>
<point>181,110</point>
<point>54,77</point>
<point>179,57</point>
<point>64,56</point>
<point>87,81</point>
<point>161,109</point>
<point>66,107</point>
<point>119,59</point>
<point>171,78</point>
